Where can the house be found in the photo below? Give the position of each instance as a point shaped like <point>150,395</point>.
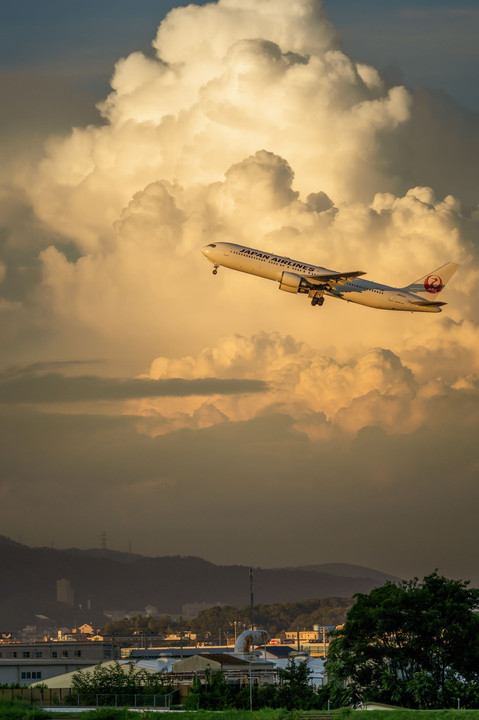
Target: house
<point>84,629</point>
<point>236,670</point>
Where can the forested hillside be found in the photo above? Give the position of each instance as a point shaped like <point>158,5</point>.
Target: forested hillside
<point>103,581</point>
<point>221,621</point>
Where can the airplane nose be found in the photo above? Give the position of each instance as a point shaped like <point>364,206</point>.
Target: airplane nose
<point>205,250</point>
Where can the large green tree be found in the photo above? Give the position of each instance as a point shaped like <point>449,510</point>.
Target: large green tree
<point>415,643</point>
<point>295,690</point>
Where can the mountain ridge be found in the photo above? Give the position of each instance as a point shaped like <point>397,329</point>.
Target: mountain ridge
<point>105,580</point>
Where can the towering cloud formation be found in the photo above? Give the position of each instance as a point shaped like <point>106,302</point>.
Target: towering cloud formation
<point>249,124</point>
<point>230,78</point>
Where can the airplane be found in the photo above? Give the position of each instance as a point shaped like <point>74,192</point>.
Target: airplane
<point>317,282</point>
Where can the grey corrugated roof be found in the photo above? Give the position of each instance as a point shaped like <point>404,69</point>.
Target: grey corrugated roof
<point>279,651</point>
<point>176,652</point>
<point>225,659</point>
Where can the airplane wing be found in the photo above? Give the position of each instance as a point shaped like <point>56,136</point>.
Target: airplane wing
<point>337,278</point>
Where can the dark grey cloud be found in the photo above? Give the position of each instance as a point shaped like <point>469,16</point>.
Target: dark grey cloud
<point>75,33</point>
<point>56,58</point>
<point>37,102</point>
<point>42,366</point>
<point>439,147</point>
<point>402,503</point>
<point>413,36</point>
<point>22,235</point>
<point>32,387</point>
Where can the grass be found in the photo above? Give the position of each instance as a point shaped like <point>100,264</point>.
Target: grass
<point>18,710</point>
<point>344,714</point>
<point>399,714</point>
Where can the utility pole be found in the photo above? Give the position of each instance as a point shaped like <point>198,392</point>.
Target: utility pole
<point>252,641</point>
<point>251,598</point>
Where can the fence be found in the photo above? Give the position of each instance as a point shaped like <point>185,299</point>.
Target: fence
<point>64,696</point>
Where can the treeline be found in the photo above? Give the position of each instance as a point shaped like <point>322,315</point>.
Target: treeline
<point>125,685</point>
<point>220,622</point>
<point>412,644</point>
<point>293,692</point>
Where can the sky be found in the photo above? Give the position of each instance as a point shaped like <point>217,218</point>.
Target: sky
<point>174,412</point>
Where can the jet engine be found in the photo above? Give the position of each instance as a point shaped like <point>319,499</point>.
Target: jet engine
<point>293,283</point>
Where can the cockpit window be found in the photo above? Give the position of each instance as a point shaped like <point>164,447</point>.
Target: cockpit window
<point>211,245</point>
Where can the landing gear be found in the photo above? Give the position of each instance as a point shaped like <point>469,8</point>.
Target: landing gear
<point>215,270</point>
<point>317,295</point>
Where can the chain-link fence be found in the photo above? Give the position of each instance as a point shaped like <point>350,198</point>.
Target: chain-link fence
<point>61,697</point>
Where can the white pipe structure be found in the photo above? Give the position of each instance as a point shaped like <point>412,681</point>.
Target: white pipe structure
<point>251,638</point>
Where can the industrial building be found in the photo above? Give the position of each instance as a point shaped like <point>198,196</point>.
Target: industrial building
<point>28,663</point>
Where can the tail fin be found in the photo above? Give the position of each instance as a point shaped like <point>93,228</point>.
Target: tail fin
<point>434,282</point>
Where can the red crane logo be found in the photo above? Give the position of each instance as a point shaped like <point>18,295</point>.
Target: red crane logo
<point>433,284</point>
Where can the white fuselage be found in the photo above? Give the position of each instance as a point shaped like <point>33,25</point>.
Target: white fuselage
<point>273,267</point>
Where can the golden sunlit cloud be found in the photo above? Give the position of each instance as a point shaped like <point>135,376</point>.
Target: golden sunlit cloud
<point>264,133</point>
<point>375,388</point>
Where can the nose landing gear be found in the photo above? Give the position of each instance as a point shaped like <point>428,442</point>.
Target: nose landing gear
<point>215,270</point>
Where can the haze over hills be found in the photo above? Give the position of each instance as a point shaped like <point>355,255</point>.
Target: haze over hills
<point>110,580</point>
<point>347,570</point>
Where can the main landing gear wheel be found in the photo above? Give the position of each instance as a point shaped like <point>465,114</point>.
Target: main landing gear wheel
<point>317,301</point>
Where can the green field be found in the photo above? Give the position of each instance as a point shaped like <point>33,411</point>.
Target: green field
<point>23,711</point>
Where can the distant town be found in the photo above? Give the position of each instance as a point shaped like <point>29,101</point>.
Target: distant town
<point>36,652</point>
<point>50,654</point>
<point>177,616</point>
<point>89,628</point>
<point>33,657</point>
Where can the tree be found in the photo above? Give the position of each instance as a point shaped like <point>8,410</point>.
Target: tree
<point>122,680</point>
<point>413,643</point>
<point>214,694</point>
<point>212,622</point>
<point>295,691</point>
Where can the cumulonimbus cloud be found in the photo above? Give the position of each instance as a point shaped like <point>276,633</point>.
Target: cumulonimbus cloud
<point>153,279</point>
<point>249,124</point>
<point>269,76</point>
<point>374,388</point>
